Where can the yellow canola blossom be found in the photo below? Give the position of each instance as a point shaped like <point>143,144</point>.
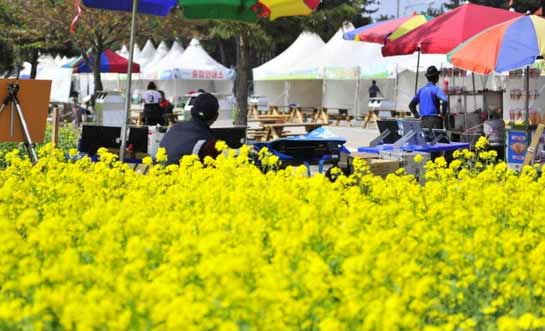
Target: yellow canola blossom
<point>224,246</point>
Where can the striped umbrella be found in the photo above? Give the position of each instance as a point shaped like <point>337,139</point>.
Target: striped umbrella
<point>389,30</point>
<point>110,62</point>
<point>246,10</point>
<point>237,10</point>
<point>511,45</point>
<point>149,7</point>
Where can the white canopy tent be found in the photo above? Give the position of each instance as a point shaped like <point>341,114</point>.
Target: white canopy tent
<point>344,67</point>
<point>165,68</point>
<point>279,67</point>
<point>190,70</point>
<point>270,78</point>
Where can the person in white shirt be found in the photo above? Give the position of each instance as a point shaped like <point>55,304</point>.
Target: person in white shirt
<point>152,109</point>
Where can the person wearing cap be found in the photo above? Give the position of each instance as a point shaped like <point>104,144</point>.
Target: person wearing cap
<point>429,100</point>
<point>193,137</point>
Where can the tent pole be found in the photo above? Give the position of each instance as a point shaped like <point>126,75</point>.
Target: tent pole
<point>417,72</point>
<point>356,96</point>
<point>286,93</point>
<point>527,99</point>
<point>129,83</point>
<point>396,88</point>
<point>324,91</point>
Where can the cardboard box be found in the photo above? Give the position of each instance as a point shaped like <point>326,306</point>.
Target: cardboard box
<point>347,160</point>
<point>406,161</point>
<point>381,167</point>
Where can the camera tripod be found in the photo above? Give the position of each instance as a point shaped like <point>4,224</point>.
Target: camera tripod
<point>13,99</point>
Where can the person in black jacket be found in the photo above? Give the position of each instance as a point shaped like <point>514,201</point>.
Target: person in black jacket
<point>152,109</point>
<point>193,137</point>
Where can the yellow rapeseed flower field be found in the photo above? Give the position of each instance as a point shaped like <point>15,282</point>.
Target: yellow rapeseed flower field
<point>222,246</point>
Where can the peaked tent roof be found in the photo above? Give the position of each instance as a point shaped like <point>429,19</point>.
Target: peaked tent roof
<point>165,69</point>
<point>343,59</point>
<point>146,54</point>
<point>124,51</point>
<point>197,64</point>
<point>307,43</point>
<point>176,47</point>
<point>160,53</point>
<point>445,32</point>
<point>137,51</point>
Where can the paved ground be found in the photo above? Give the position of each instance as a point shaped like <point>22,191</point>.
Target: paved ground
<point>355,136</point>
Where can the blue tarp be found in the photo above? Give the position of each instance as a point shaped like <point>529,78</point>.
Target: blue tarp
<point>439,147</point>
<point>320,134</point>
<point>150,7</point>
<point>320,145</point>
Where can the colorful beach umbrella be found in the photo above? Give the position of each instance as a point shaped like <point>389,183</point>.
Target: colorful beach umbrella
<point>387,30</point>
<point>238,10</point>
<point>445,32</point>
<point>504,47</point>
<point>149,7</point>
<point>246,10</point>
<point>110,62</point>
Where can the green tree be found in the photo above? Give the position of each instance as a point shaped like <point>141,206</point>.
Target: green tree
<point>26,39</point>
<point>520,5</point>
<point>96,30</point>
<point>6,44</point>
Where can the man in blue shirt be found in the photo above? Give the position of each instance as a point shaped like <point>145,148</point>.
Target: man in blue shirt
<point>429,99</point>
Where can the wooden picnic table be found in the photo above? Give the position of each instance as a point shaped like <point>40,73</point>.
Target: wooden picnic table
<point>319,115</point>
<point>276,131</point>
<point>270,119</point>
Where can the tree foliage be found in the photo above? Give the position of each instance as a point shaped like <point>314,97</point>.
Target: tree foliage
<point>520,5</point>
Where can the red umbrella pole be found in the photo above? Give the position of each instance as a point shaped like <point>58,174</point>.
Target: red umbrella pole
<point>417,71</point>
<point>129,83</point>
<point>527,100</point>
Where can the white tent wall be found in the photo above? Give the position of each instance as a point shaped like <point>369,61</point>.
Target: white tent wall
<point>86,84</point>
<point>387,87</point>
<point>339,94</point>
<point>305,93</point>
<point>273,90</point>
<point>405,88</point>
<point>223,87</point>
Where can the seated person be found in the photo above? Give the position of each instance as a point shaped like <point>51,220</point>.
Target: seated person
<point>193,137</point>
<point>166,108</point>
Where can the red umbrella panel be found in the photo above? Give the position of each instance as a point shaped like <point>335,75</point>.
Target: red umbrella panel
<point>445,32</point>
<point>381,31</point>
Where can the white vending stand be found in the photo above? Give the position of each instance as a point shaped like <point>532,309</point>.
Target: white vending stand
<point>155,135</point>
<point>109,109</point>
